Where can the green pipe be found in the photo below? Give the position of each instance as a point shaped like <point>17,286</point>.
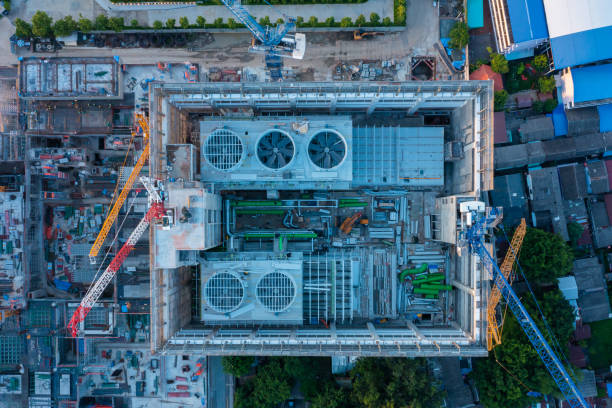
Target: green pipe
<point>429,278</point>
<point>350,200</point>
<point>352,204</point>
<point>300,235</point>
<point>425,291</point>
<point>257,203</point>
<point>256,236</point>
<point>435,286</point>
<point>257,212</point>
<point>412,271</point>
<point>431,297</point>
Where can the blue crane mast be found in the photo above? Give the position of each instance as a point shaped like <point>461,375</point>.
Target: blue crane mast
<point>274,42</point>
<point>475,238</point>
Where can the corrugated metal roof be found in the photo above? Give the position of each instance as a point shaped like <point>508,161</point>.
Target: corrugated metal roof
<point>527,19</point>
<point>570,16</point>
<point>559,121</point>
<point>500,135</point>
<point>605,118</point>
<point>582,47</point>
<point>592,83</point>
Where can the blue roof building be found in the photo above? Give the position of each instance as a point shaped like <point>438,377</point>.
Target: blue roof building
<point>580,31</point>
<point>519,25</point>
<point>586,86</point>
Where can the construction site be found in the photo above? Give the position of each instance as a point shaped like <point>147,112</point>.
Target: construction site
<point>163,208</point>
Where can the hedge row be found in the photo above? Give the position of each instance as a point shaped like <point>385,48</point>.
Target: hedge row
<point>43,26</point>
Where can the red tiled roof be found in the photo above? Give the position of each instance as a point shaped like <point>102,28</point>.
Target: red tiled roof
<point>499,128</point>
<point>485,73</point>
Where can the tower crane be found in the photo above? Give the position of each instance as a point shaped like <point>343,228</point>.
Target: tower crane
<point>114,212</point>
<point>274,42</point>
<point>493,328</point>
<point>475,240</point>
<point>155,212</point>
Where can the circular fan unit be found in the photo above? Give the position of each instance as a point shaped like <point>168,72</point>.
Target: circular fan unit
<point>223,149</point>
<point>276,291</point>
<point>224,292</point>
<point>275,149</point>
<point>327,149</point>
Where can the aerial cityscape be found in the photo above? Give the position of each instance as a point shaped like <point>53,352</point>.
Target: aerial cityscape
<point>305,203</point>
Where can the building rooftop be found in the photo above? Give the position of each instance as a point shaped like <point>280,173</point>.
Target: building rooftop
<point>70,78</point>
<point>598,176</point>
<point>592,290</point>
<point>537,128</point>
<point>509,193</point>
<point>547,199</point>
<point>321,193</point>
<point>573,181</point>
<point>587,86</point>
<point>528,20</point>
<point>580,32</point>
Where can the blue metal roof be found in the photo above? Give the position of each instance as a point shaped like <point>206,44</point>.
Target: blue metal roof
<point>592,83</point>
<point>582,48</point>
<point>559,121</point>
<point>527,19</point>
<point>605,118</point>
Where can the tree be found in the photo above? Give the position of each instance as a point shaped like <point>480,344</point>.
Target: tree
<point>546,84</point>
<point>41,24</point>
<point>280,21</point>
<point>537,106</point>
<point>387,21</point>
<point>65,26</point>
<point>85,25</point>
<point>500,98</point>
<point>237,365</point>
<point>184,22</point>
<point>514,367</point>
<point>170,23</point>
<point>540,63</point>
<point>134,23</point>
<point>361,20</point>
<point>270,386</point>
<point>550,105</point>
<point>499,63</point>
<point>158,25</point>
<point>313,21</point>
<point>545,256</point>
<point>574,230</point>
<point>374,18</point>
<point>218,22</point>
<point>394,382</point>
<point>331,397</point>
<point>330,22</point>
<point>299,21</point>
<point>201,22</point>
<point>101,23</point>
<point>264,21</point>
<point>346,22</point>
<point>459,36</point>
<point>231,23</point>
<point>116,24</point>
<point>23,29</point>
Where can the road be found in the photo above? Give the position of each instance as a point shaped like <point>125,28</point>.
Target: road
<point>220,385</point>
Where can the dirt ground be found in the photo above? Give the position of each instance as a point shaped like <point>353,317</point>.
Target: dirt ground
<point>323,51</point>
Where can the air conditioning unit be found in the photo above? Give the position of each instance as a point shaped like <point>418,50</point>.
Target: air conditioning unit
<point>278,153</point>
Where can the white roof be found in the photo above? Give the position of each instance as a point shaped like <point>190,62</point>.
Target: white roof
<point>567,285</point>
<point>572,16</point>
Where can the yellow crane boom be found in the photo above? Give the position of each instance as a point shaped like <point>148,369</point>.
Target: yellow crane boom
<point>493,328</point>
<point>114,212</point>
